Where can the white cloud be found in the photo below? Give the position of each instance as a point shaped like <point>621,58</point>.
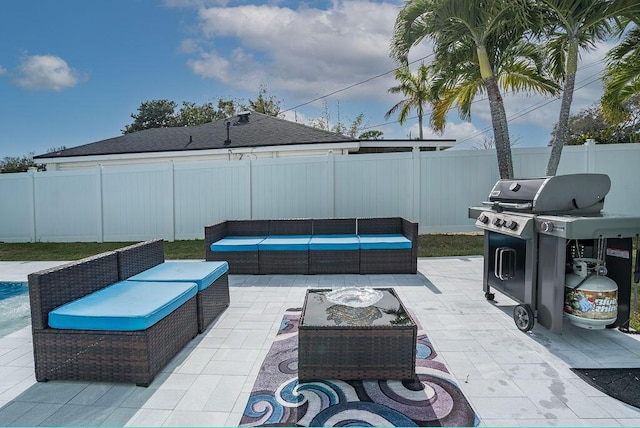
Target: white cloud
<point>2,70</point>
<point>307,51</point>
<point>46,72</point>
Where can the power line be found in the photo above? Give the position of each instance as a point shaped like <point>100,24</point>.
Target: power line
<point>534,107</point>
<point>515,115</point>
<point>354,85</point>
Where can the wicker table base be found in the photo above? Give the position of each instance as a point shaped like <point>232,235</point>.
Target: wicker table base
<point>342,342</point>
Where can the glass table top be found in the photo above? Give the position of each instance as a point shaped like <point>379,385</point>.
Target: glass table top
<point>320,311</point>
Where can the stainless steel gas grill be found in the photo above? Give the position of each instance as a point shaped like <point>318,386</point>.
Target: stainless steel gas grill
<point>539,232</point>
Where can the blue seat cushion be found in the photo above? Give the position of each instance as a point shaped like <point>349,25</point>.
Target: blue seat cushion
<point>237,243</point>
<point>123,306</point>
<point>334,242</point>
<point>202,273</point>
<point>285,243</point>
<point>384,242</point>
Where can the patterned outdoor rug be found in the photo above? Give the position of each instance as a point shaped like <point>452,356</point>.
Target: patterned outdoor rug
<point>621,384</point>
<point>277,399</point>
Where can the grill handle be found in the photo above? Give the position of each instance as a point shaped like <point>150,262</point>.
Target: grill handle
<point>499,206</point>
<point>500,265</point>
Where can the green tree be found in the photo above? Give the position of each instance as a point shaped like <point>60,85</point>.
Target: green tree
<point>416,90</point>
<point>476,46</point>
<point>572,26</point>
<point>372,135</point>
<point>265,103</point>
<point>152,114</point>
<point>622,77</point>
<point>593,123</point>
<point>191,114</point>
<point>356,126</point>
<point>11,164</point>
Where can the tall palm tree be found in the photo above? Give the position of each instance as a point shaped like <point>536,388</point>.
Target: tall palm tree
<point>415,87</point>
<point>466,28</point>
<point>572,26</point>
<point>457,79</point>
<point>622,75</point>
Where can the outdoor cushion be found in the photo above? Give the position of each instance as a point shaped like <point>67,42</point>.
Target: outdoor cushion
<point>334,242</point>
<point>202,273</point>
<point>237,243</point>
<point>384,242</point>
<point>123,306</point>
<point>285,243</point>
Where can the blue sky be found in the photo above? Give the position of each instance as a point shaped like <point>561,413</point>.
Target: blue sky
<point>73,71</point>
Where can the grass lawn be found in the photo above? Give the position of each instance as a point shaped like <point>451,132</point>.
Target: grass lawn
<point>440,245</point>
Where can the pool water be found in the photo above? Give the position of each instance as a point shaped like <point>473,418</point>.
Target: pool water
<point>14,307</point>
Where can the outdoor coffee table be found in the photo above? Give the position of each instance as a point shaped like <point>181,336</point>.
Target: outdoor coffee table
<point>356,343</point>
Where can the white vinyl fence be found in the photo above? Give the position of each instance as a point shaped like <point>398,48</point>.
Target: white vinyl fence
<point>175,201</point>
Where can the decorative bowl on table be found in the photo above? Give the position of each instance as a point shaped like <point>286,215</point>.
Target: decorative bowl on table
<point>355,297</point>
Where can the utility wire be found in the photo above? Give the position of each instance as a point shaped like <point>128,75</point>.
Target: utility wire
<point>534,107</point>
<point>519,114</point>
<point>353,85</point>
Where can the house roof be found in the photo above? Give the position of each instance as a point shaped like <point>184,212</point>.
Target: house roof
<point>258,130</point>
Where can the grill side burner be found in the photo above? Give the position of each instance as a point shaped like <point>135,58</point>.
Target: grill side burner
<point>529,224</point>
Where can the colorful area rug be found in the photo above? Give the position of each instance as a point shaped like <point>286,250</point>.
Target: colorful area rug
<point>432,398</point>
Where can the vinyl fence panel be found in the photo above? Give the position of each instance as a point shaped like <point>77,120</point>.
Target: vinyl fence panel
<point>138,202</point>
<point>208,193</point>
<point>289,188</point>
<point>16,208</point>
<point>374,185</point>
<point>175,201</point>
<point>67,206</point>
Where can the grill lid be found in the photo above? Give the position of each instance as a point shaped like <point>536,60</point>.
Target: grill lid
<point>566,194</point>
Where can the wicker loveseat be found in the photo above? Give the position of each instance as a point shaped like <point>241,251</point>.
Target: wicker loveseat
<point>315,246</point>
<point>125,343</point>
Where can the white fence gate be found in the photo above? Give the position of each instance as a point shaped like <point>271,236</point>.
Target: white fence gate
<point>175,201</point>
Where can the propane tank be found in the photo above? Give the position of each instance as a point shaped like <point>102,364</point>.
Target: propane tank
<point>590,297</point>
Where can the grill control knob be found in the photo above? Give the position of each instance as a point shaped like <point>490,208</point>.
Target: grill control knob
<point>483,219</point>
<point>546,226</point>
<point>497,222</point>
<point>512,225</point>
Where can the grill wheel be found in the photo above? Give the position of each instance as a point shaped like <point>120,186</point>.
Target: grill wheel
<point>523,317</point>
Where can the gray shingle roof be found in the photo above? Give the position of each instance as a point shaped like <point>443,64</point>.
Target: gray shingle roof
<point>261,130</point>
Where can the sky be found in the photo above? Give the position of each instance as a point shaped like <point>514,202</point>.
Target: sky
<point>73,71</point>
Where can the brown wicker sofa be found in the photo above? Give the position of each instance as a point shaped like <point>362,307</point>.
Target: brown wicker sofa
<point>334,245</point>
<point>107,355</point>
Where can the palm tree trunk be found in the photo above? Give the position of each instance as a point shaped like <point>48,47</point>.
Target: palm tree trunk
<point>498,115</point>
<point>565,109</point>
<point>500,128</point>
<point>420,125</point>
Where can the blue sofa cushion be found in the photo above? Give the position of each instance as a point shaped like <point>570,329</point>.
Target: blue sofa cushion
<point>384,242</point>
<point>334,242</point>
<point>123,306</point>
<point>202,273</point>
<point>237,243</point>
<point>285,243</point>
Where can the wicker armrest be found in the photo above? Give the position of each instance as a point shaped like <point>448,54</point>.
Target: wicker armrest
<point>213,233</point>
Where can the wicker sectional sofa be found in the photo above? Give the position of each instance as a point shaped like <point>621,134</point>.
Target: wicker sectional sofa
<point>315,246</point>
<point>93,320</point>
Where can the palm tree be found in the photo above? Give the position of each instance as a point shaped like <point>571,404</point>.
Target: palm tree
<point>464,33</point>
<point>518,68</point>
<point>571,26</point>
<point>622,75</point>
<point>415,88</point>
